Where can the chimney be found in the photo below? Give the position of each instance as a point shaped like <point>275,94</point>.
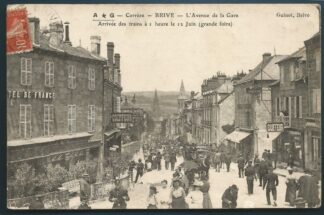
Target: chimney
<point>117,60</point>
<point>266,56</point>
<point>110,55</point>
<point>56,33</point>
<point>95,44</point>
<point>67,34</point>
<point>34,29</point>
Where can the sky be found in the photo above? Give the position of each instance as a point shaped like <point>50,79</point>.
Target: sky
<point>160,57</point>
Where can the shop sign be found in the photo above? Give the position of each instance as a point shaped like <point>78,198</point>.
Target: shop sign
<point>122,118</point>
<point>275,127</point>
<point>16,94</point>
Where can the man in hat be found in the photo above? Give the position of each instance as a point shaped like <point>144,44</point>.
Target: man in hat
<point>85,188</point>
<point>118,196</point>
<point>271,182</point>
<point>229,197</point>
<point>240,165</point>
<point>139,170</point>
<point>250,176</point>
<point>263,171</point>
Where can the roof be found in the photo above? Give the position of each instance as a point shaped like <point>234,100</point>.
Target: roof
<point>314,36</point>
<point>269,68</point>
<point>37,140</point>
<point>227,87</point>
<point>237,136</point>
<point>299,54</point>
<point>223,99</point>
<point>81,52</point>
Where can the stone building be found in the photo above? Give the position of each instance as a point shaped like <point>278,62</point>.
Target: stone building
<point>313,146</point>
<point>253,107</point>
<point>213,90</point>
<point>55,109</point>
<point>289,106</point>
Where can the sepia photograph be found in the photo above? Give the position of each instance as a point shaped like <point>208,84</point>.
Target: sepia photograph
<point>163,106</point>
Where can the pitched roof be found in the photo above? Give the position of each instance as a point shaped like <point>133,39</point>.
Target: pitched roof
<point>44,44</point>
<point>269,68</point>
<point>300,53</point>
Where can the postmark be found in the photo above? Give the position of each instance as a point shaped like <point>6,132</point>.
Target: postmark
<point>18,35</point>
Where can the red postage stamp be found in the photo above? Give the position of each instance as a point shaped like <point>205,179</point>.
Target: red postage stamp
<point>18,36</point>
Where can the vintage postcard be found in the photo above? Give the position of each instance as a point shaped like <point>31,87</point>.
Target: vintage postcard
<point>174,106</point>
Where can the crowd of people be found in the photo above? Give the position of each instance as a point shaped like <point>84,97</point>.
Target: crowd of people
<point>190,185</point>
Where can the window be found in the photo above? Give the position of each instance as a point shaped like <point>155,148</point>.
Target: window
<point>298,106</point>
<point>71,77</point>
<point>25,121</point>
<point>48,120</point>
<point>316,152</point>
<point>316,101</point>
<point>277,106</point>
<point>26,71</point>
<point>91,118</point>
<point>91,79</point>
<point>291,72</point>
<point>49,74</point>
<point>247,119</point>
<point>71,119</point>
<point>118,104</point>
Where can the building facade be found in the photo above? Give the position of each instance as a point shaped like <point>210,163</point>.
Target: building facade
<point>313,146</point>
<point>55,109</point>
<point>253,107</point>
<point>289,106</point>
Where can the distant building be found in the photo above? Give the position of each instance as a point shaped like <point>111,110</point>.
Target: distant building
<point>156,112</point>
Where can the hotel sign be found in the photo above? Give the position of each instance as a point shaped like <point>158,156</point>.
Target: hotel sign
<point>16,94</point>
<point>122,118</point>
<point>275,127</point>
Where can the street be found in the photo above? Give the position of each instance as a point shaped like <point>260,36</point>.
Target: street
<point>218,181</point>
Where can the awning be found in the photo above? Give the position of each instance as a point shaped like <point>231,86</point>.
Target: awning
<point>237,136</point>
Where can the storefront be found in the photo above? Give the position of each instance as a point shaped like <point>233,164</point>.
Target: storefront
<point>239,142</point>
<point>313,146</point>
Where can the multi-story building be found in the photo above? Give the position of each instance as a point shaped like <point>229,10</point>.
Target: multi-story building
<point>55,105</point>
<point>197,114</point>
<point>313,146</point>
<point>289,106</point>
<point>253,107</point>
<point>213,90</point>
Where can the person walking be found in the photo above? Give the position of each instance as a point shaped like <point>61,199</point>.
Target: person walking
<point>290,161</point>
<point>271,182</point>
<point>158,160</point>
<point>177,195</point>
<point>229,197</point>
<point>195,197</point>
<point>166,160</point>
<point>163,196</point>
<point>240,165</point>
<point>223,159</point>
<point>139,170</point>
<point>151,199</point>
<point>206,165</point>
<point>207,204</point>
<point>309,189</point>
<point>131,168</point>
<point>217,161</point>
<point>292,186</point>
<point>173,160</point>
<point>228,160</point>
<point>118,196</point>
<point>85,188</point>
<point>263,171</point>
<point>250,176</point>
<point>256,163</point>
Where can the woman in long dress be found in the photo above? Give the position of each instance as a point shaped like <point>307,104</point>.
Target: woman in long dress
<point>195,196</point>
<point>163,196</point>
<point>177,196</point>
<point>205,190</point>
<point>152,200</point>
<point>292,186</point>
